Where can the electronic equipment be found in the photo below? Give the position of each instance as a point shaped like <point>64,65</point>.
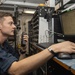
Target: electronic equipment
<point>23,42</point>
<point>50,3</point>
<point>63,4</point>
<point>57,1</point>
<point>67,1</point>
<point>68,30</point>
<point>68,23</point>
<point>54,32</point>
<point>40,24</point>
<point>58,4</point>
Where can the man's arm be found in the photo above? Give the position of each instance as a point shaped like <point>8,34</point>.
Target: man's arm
<point>28,64</point>
<point>33,62</point>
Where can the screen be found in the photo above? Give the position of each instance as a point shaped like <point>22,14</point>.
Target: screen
<point>68,22</point>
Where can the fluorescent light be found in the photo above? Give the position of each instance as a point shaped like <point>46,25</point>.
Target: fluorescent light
<point>29,11</point>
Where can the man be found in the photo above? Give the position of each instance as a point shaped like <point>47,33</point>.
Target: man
<point>9,64</point>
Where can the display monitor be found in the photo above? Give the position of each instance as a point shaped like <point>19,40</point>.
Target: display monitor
<point>68,23</point>
<point>68,27</point>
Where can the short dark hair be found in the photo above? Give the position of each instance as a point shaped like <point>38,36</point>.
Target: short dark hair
<point>5,14</point>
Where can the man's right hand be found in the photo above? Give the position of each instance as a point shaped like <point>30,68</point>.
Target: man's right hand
<point>64,47</point>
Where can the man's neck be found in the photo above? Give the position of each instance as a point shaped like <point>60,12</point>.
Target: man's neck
<point>2,38</point>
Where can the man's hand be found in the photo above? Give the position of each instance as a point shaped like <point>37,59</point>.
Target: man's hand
<point>23,48</point>
<point>64,47</point>
<point>25,37</point>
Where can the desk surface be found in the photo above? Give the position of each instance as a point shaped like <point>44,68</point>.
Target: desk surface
<point>69,64</point>
<point>66,63</point>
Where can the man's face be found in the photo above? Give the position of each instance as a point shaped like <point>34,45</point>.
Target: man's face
<point>7,26</point>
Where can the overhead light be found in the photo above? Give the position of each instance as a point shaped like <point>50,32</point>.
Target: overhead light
<point>29,11</point>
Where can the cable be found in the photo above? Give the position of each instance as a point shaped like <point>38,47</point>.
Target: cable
<point>50,33</point>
